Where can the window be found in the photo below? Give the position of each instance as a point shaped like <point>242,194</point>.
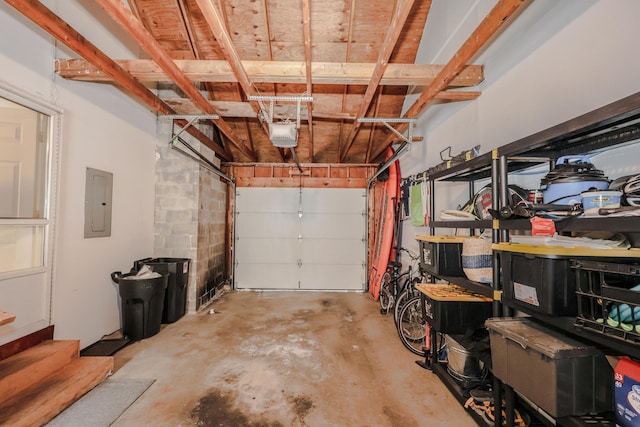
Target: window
<point>24,146</point>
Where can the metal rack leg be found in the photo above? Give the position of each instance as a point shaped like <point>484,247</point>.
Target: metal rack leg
<point>509,399</point>
<point>431,355</point>
<point>497,397</point>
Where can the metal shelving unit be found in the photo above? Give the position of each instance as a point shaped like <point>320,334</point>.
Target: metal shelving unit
<point>612,125</point>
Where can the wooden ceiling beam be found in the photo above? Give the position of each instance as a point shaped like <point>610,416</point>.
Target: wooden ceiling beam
<point>217,26</point>
<point>306,31</point>
<point>391,38</point>
<point>489,26</point>
<point>58,28</point>
<point>330,73</point>
<point>329,106</point>
<point>219,30</point>
<point>132,26</point>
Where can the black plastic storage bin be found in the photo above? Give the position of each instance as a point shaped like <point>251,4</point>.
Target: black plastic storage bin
<point>563,376</point>
<point>142,304</point>
<point>441,255</point>
<point>540,278</point>
<point>175,300</point>
<point>452,310</point>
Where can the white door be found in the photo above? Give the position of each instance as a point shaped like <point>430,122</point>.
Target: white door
<point>287,240</point>
<point>18,160</point>
<point>27,197</point>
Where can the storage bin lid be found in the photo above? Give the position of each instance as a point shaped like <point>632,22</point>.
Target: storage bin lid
<point>448,292</point>
<point>574,251</point>
<point>441,238</point>
<point>531,335</point>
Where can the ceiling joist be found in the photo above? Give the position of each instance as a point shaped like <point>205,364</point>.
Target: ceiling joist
<point>329,106</point>
<point>355,57</point>
<point>327,73</point>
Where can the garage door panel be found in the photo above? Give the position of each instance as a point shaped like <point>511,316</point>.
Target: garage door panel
<point>268,250</point>
<point>327,239</point>
<point>331,277</point>
<point>325,251</point>
<point>267,276</point>
<point>259,200</point>
<point>268,225</point>
<point>337,200</point>
<point>333,226</point>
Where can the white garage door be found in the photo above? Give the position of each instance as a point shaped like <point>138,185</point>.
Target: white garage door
<point>323,249</point>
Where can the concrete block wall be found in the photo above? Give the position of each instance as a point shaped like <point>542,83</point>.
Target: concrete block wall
<point>190,214</point>
<point>211,232</point>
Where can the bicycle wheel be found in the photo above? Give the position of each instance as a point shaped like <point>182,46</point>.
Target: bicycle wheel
<point>408,291</point>
<point>386,297</point>
<point>411,326</point>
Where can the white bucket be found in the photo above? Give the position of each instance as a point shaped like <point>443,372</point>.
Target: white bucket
<point>592,201</point>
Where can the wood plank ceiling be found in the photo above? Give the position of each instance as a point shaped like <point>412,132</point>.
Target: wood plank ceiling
<point>356,58</point>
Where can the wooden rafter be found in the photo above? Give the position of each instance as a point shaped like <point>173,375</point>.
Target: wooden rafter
<point>397,23</point>
<point>331,73</point>
<point>489,26</point>
<point>216,23</point>
<point>347,58</point>
<point>219,30</point>
<point>54,25</point>
<point>306,30</point>
<point>265,6</point>
<point>128,22</point>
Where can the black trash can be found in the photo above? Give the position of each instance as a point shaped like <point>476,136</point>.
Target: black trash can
<point>142,304</point>
<point>175,299</point>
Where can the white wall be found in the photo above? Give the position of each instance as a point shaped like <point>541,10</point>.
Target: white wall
<point>103,129</point>
<point>558,60</point>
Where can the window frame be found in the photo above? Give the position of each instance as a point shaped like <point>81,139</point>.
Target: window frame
<point>52,162</point>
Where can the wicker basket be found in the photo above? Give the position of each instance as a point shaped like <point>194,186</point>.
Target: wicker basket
<point>477,259</point>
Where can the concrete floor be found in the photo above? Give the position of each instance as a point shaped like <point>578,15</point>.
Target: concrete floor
<point>284,359</point>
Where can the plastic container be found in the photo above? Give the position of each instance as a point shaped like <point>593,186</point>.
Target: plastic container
<point>592,201</point>
<point>627,394</point>
<point>450,309</point>
<point>175,300</point>
<point>539,279</point>
<point>563,376</point>
<point>142,304</point>
<point>609,298</point>
<point>441,255</point>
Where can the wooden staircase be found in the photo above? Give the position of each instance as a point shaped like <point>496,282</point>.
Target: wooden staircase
<point>40,382</point>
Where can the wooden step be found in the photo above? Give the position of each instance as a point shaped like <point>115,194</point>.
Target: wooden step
<point>6,318</point>
<point>31,366</point>
<point>41,402</point>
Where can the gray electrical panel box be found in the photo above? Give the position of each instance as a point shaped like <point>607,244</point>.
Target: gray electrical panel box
<point>97,203</point>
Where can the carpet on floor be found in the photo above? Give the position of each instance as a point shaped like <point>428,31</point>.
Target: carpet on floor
<point>103,405</point>
<point>105,347</point>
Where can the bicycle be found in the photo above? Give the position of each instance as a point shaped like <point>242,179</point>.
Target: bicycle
<point>415,332</point>
<point>395,284</point>
<point>412,327</point>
